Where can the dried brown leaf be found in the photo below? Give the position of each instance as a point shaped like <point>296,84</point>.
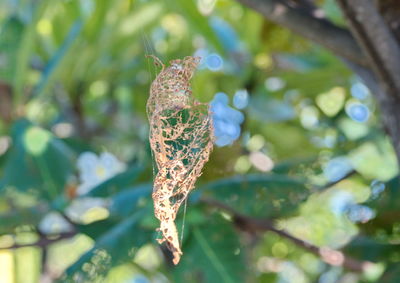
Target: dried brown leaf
<point>181,139</point>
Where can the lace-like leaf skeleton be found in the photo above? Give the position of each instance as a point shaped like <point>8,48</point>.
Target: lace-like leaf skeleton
<point>181,140</point>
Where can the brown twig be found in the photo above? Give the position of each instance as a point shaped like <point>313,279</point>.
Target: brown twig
<point>333,183</point>
<point>370,50</point>
<point>253,225</point>
<point>6,101</point>
<point>43,241</point>
<point>305,23</point>
<point>376,40</point>
<point>382,51</point>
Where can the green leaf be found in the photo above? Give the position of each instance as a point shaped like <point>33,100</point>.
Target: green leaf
<point>56,61</point>
<point>37,160</point>
<point>333,12</point>
<point>371,250</point>
<point>391,275</point>
<point>10,40</point>
<point>117,183</point>
<point>322,78</point>
<point>197,21</point>
<point>21,216</point>
<point>141,18</point>
<point>129,201</point>
<point>389,199</point>
<point>96,19</point>
<point>375,160</point>
<point>294,165</point>
<point>114,247</point>
<point>24,52</point>
<point>96,229</point>
<point>211,254</point>
<point>386,204</point>
<point>260,195</point>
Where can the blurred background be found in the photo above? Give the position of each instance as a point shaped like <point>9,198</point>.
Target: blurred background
<point>301,186</point>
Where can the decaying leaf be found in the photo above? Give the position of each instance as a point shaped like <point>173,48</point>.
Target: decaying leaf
<point>181,139</point>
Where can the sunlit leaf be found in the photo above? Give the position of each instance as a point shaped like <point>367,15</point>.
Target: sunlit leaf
<point>114,247</point>
<point>117,183</point>
<point>43,160</point>
<point>266,195</point>
<point>212,253</point>
<point>21,216</point>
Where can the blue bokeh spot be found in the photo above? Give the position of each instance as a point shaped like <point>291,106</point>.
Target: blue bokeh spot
<point>358,112</point>
<point>226,120</point>
<point>359,90</point>
<point>337,168</point>
<point>214,62</point>
<point>241,99</point>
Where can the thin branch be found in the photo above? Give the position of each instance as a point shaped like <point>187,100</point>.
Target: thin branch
<point>43,241</point>
<point>6,101</point>
<point>253,225</point>
<point>376,39</point>
<point>333,183</point>
<point>319,30</point>
<point>383,52</point>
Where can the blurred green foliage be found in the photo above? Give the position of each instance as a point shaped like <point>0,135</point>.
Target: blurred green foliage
<point>74,78</point>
